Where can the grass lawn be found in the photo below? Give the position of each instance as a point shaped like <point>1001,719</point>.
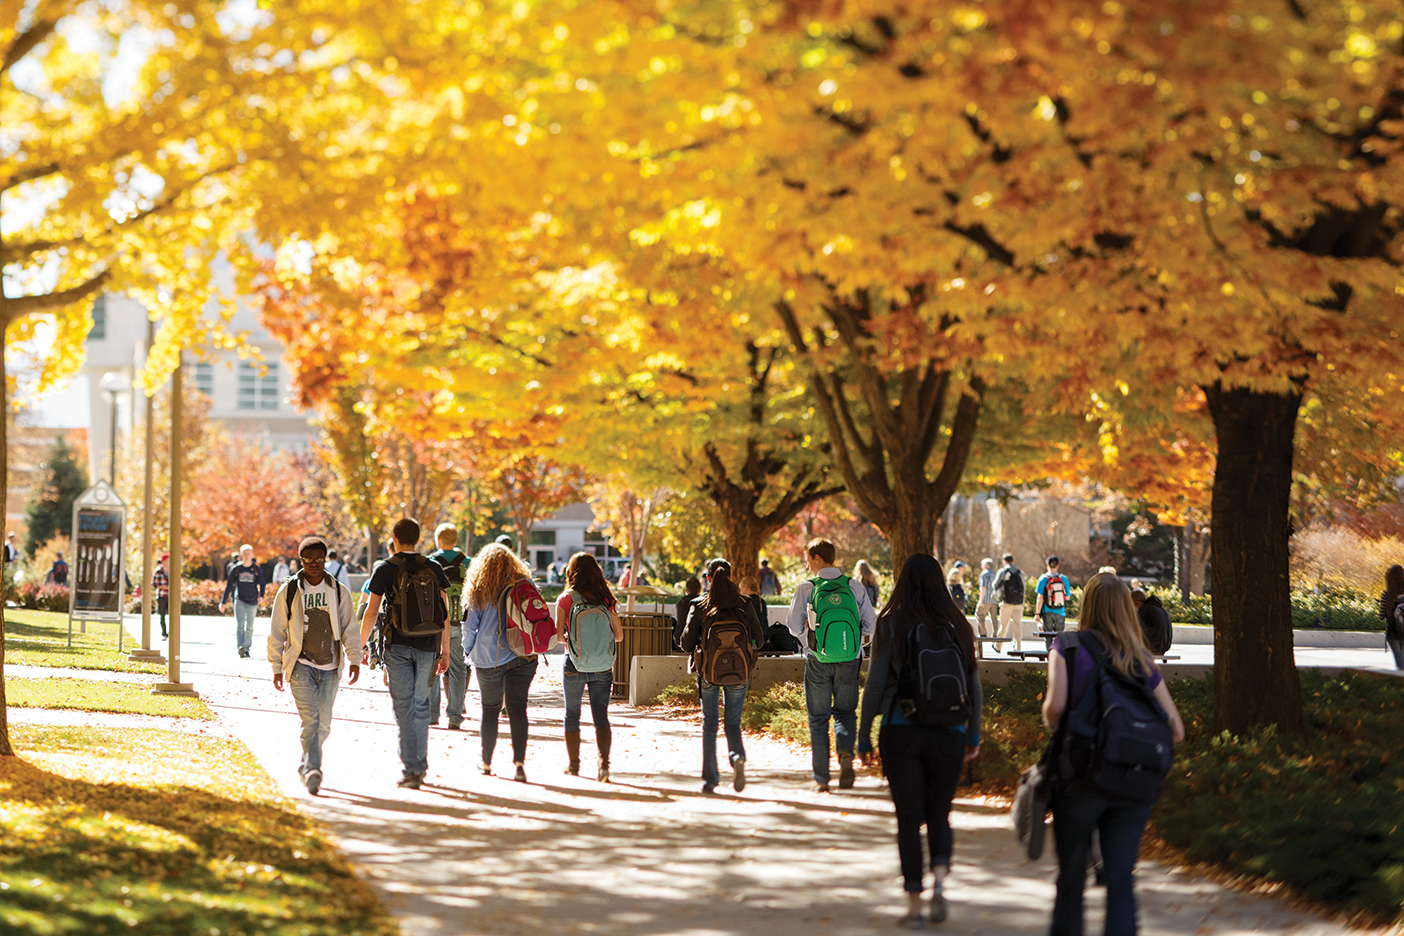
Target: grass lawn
<point>40,638</point>
<point>94,695</point>
<point>149,831</point>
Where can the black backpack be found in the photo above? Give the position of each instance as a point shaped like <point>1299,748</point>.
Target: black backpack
<point>779,639</point>
<point>934,686</point>
<point>415,609</point>
<point>1013,586</point>
<point>1117,739</point>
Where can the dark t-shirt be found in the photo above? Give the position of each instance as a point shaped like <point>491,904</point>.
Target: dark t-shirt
<point>383,580</point>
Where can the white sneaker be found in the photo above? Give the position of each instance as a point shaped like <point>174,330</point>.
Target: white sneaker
<point>313,779</point>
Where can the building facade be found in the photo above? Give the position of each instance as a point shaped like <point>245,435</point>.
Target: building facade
<point>566,532</point>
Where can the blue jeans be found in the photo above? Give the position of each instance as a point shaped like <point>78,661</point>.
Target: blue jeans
<point>923,770</point>
<point>411,674</point>
<point>455,680</point>
<point>244,623</point>
<point>1076,812</point>
<point>576,683</point>
<point>507,684</point>
<point>830,691</point>
<point>734,700</point>
<point>314,691</point>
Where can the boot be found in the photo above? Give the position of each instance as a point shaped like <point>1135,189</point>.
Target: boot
<point>604,738</point>
<point>573,752</point>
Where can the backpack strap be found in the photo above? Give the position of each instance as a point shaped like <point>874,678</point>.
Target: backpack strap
<point>294,583</point>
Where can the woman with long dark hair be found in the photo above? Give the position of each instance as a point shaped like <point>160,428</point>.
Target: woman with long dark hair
<point>922,755</point>
<point>1394,633</point>
<point>586,616</point>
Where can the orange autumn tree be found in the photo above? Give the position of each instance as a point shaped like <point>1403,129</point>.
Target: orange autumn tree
<point>244,493</point>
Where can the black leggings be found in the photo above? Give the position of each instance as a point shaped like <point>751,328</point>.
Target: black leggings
<point>923,769</point>
<point>507,684</point>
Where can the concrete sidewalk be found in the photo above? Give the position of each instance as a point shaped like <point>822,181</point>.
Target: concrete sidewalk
<point>647,854</point>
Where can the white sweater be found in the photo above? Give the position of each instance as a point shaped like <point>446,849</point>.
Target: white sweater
<point>285,640</point>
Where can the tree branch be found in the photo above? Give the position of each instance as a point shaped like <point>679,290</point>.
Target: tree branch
<point>26,41</point>
<point>29,175</point>
<point>13,308</point>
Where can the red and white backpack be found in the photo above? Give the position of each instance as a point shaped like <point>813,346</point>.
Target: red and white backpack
<point>528,626</point>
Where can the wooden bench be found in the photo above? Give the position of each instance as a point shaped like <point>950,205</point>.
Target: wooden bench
<point>1027,655</point>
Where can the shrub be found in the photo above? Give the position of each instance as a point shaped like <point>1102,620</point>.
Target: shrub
<point>51,597</point>
<point>779,710</point>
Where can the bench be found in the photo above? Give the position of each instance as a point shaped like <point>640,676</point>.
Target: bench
<point>981,640</point>
<point>1029,654</point>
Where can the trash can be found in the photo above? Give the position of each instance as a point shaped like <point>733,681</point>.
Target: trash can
<point>645,634</point>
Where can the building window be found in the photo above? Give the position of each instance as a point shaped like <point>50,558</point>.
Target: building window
<point>204,378</point>
<point>594,536</point>
<point>99,331</point>
<point>258,392</point>
<point>543,538</point>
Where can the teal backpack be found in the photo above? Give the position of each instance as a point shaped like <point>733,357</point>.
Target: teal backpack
<point>590,642</point>
<point>837,631</point>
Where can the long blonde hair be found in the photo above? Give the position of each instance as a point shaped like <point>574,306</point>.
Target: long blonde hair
<point>1109,612</point>
<point>864,572</point>
<point>492,570</point>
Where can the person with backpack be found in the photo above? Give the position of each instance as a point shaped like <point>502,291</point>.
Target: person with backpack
<point>1392,610</point>
<point>1155,622</point>
<point>924,682</point>
<point>313,634</point>
<point>722,634</point>
<point>586,614</point>
<point>831,613</point>
<point>1115,726</point>
<point>245,583</point>
<point>1051,598</point>
<point>337,569</point>
<point>412,591</point>
<point>161,591</point>
<point>769,581</point>
<point>1009,589</point>
<point>692,593</point>
<point>455,682</point>
<point>505,626</point>
<point>58,573</point>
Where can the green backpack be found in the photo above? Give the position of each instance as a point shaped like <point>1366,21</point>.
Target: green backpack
<point>455,569</point>
<point>837,631</point>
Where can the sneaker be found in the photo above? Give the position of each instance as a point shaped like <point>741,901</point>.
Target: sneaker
<point>411,781</point>
<point>738,782</point>
<point>313,779</point>
<point>520,775</point>
<point>709,789</point>
<point>846,774</point>
<point>821,788</point>
<point>486,768</point>
<point>938,907</point>
<point>243,654</point>
<point>455,724</point>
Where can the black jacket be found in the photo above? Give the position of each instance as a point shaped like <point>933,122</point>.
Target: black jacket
<point>697,614</point>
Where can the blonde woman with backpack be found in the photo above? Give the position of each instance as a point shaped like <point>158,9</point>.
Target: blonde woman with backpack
<point>587,616</point>
<point>724,632</point>
<point>504,678</point>
<point>1108,637</point>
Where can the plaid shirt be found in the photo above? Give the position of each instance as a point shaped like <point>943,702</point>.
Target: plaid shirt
<point>161,583</point>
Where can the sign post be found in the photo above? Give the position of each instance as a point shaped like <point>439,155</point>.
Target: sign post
<point>99,558</point>
<point>173,685</point>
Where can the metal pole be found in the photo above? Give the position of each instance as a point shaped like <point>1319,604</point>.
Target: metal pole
<point>173,685</point>
<point>112,446</point>
<point>145,653</point>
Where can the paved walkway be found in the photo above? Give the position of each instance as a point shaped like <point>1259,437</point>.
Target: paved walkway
<point>647,854</point>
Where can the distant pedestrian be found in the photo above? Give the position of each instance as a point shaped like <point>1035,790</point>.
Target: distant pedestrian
<point>987,608</point>
<point>58,573</point>
<point>750,590</point>
<point>161,588</point>
<point>1108,638</point>
<point>1009,589</point>
<point>12,550</point>
<point>281,572</point>
<point>831,614</point>
<point>504,678</point>
<point>415,641</point>
<point>1392,610</point>
<point>692,593</point>
<point>1155,622</point>
<point>455,681</point>
<point>626,577</point>
<point>769,581</point>
<point>1051,599</point>
<point>864,574</point>
<point>723,635</point>
<point>312,634</point>
<point>587,615</point>
<point>246,585</point>
<point>506,541</point>
<point>955,581</point>
<point>337,569</point>
<point>927,734</point>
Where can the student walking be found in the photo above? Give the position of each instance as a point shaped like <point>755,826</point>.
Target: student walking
<point>1051,598</point>
<point>504,676</point>
<point>722,635</point>
<point>415,639</point>
<point>1391,609</point>
<point>769,581</point>
<point>864,574</point>
<point>1107,654</point>
<point>831,613</point>
<point>1009,589</point>
<point>58,572</point>
<point>955,581</point>
<point>925,685</point>
<point>586,614</point>
<point>337,569</point>
<point>161,589</point>
<point>692,593</point>
<point>313,634</point>
<point>455,681</point>
<point>245,583</point>
<point>281,572</point>
<point>987,608</point>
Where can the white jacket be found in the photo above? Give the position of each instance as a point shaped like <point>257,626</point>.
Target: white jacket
<point>285,640</point>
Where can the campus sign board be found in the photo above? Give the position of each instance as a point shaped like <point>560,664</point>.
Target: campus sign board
<point>99,556</point>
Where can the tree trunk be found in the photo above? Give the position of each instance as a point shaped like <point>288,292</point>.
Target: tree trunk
<point>744,536</point>
<point>911,532</point>
<point>5,749</point>
<point>372,547</point>
<point>1201,561</point>
<point>1255,674</point>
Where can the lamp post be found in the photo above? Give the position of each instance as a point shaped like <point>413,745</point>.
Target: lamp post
<point>113,385</point>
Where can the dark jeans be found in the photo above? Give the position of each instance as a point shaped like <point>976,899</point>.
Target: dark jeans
<point>510,682</point>
<point>163,605</point>
<point>1396,647</point>
<point>455,681</point>
<point>576,683</point>
<point>830,691</point>
<point>1076,812</point>
<point>733,699</point>
<point>923,769</point>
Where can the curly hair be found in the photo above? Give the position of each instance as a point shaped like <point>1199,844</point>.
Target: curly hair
<point>493,569</point>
